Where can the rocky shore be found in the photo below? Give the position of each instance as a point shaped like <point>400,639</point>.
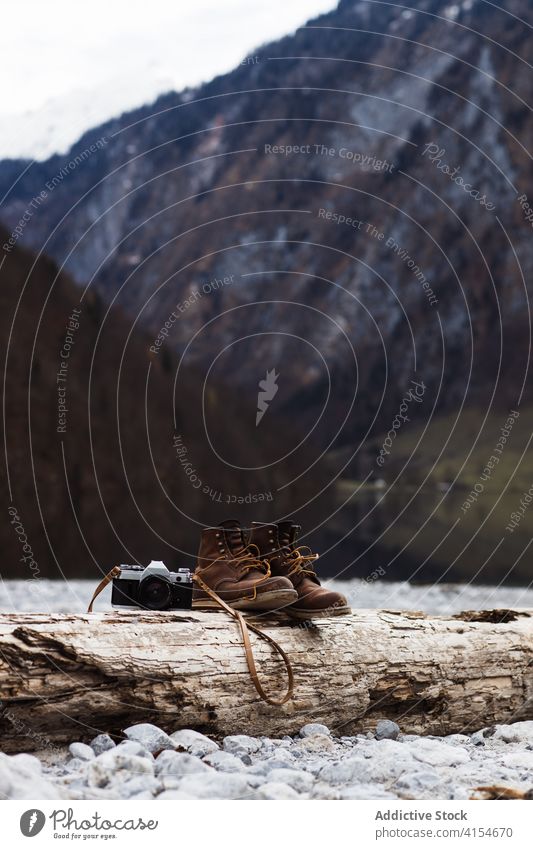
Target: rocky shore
<point>386,764</point>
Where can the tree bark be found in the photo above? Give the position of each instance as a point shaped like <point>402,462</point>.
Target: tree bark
<point>66,677</point>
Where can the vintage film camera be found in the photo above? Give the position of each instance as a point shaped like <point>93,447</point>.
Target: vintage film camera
<point>152,587</point>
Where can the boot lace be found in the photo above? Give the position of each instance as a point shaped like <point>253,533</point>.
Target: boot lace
<point>300,559</point>
<point>248,561</point>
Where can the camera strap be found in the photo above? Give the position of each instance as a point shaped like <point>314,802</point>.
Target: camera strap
<point>245,628</point>
<point>114,573</point>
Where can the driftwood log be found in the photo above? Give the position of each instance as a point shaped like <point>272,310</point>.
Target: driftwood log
<point>66,677</point>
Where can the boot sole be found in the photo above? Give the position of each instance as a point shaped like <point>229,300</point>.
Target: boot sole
<point>265,601</point>
<point>318,614</point>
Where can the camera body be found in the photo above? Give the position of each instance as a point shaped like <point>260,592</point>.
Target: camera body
<point>152,587</point>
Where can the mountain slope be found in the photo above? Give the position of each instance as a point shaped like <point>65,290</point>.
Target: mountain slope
<point>321,180</point>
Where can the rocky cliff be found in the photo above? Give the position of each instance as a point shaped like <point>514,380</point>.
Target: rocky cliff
<point>357,182</point>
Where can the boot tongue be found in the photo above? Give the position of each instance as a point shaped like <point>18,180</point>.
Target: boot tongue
<point>287,533</point>
<point>233,535</point>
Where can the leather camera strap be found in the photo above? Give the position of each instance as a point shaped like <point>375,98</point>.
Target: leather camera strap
<point>245,628</point>
<point>114,573</point>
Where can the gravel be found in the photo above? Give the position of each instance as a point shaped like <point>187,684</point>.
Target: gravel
<point>387,730</point>
<point>102,743</point>
<point>241,744</point>
<point>194,742</point>
<point>180,763</point>
<point>132,747</point>
<point>115,767</point>
<point>224,761</point>
<point>150,737</point>
<point>314,728</point>
<point>81,751</point>
<point>319,766</point>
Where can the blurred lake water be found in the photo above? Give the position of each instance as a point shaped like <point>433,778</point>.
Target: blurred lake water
<point>427,535</point>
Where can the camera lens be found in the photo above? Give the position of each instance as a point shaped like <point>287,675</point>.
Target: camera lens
<point>155,593</point>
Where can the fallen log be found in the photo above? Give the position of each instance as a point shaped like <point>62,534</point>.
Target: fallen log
<point>66,677</point>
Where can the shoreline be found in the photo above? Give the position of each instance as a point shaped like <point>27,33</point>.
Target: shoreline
<point>386,764</point>
<point>56,596</point>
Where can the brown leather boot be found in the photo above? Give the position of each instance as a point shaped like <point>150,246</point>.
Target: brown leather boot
<point>277,543</point>
<point>229,567</point>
